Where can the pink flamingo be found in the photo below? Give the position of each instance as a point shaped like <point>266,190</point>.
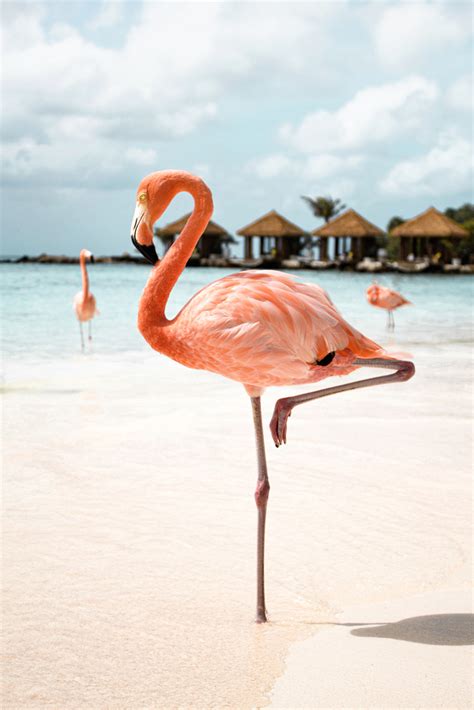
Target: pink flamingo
<point>84,301</point>
<point>260,328</point>
<point>383,297</point>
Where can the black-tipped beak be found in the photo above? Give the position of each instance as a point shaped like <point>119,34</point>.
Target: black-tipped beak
<point>92,260</point>
<point>148,251</point>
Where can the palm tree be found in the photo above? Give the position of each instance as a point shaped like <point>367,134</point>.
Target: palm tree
<point>324,207</point>
<point>392,244</point>
<point>394,222</point>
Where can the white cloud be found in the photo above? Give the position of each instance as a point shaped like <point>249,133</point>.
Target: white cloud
<point>313,175</point>
<point>75,111</point>
<point>373,115</point>
<point>446,168</point>
<point>411,33</point>
<point>166,81</point>
<point>460,95</point>
<point>319,166</point>
<point>90,165</point>
<point>335,151</point>
<point>141,156</point>
<point>21,25</point>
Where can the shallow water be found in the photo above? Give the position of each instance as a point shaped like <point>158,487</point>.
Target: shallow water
<point>129,521</point>
<point>39,320</point>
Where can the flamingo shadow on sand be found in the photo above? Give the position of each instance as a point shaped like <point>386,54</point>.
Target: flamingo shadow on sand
<point>433,629</point>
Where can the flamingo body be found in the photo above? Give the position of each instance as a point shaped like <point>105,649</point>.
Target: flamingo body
<point>84,302</point>
<point>383,297</point>
<point>262,328</point>
<point>84,306</point>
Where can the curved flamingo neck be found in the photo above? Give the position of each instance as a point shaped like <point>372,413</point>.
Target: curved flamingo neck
<point>85,276</point>
<point>151,312</point>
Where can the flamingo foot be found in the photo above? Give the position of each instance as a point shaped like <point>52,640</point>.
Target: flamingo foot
<point>279,422</point>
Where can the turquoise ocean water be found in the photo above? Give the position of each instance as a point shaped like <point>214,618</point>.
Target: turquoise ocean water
<point>39,321</point>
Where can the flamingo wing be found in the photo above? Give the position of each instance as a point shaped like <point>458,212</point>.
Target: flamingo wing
<point>268,316</point>
<point>85,308</point>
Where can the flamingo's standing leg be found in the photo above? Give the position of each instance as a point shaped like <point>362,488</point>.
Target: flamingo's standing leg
<point>393,320</point>
<point>90,330</point>
<point>404,370</point>
<point>261,498</point>
<point>82,335</point>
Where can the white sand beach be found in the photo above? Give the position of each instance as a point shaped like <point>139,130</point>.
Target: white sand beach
<point>129,540</point>
<point>402,653</point>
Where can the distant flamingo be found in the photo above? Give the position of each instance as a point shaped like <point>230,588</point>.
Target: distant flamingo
<point>84,301</point>
<point>261,328</point>
<point>383,297</point>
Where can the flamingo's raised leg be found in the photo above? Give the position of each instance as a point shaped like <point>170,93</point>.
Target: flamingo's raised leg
<point>403,371</point>
<point>261,498</point>
<point>90,330</point>
<point>82,335</point>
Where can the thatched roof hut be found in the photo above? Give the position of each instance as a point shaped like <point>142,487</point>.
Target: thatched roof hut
<point>176,227</point>
<point>349,224</point>
<point>431,223</point>
<point>278,236</point>
<point>422,235</point>
<point>271,224</point>
<point>213,237</point>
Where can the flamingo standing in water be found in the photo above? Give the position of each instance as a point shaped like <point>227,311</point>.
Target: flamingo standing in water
<point>383,297</point>
<point>261,328</point>
<point>84,301</point>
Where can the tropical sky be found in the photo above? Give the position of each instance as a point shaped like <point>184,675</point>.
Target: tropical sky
<point>369,102</point>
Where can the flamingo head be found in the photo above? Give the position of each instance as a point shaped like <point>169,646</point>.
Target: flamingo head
<point>151,202</point>
<point>373,292</point>
<point>154,194</point>
<point>87,255</point>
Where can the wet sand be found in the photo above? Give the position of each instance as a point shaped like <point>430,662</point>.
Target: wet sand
<point>129,530</point>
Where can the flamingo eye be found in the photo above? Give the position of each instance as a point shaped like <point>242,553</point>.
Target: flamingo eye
<point>142,197</point>
<point>326,360</point>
